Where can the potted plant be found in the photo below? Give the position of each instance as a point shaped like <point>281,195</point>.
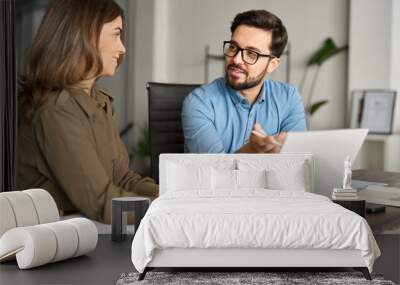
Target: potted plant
<point>325,52</point>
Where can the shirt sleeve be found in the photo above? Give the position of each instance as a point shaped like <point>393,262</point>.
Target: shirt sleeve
<point>199,130</point>
<point>296,118</point>
<point>71,155</point>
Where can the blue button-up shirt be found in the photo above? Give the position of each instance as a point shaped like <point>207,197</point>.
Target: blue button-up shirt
<point>217,119</point>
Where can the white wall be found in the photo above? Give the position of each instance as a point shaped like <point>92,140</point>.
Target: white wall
<point>162,47</point>
<point>374,63</point>
<point>186,26</point>
<point>395,61</point>
<point>374,60</point>
<point>370,32</point>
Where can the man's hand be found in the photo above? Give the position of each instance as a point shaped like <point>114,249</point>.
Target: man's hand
<point>260,142</point>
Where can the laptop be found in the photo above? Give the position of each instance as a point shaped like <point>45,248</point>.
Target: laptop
<point>330,149</point>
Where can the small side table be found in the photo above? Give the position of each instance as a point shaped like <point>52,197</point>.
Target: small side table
<point>120,207</point>
<point>357,206</point>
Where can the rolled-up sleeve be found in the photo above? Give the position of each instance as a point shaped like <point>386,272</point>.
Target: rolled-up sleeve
<point>70,152</point>
<point>296,118</point>
<point>199,131</point>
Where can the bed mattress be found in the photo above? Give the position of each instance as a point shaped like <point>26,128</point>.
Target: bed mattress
<point>250,219</point>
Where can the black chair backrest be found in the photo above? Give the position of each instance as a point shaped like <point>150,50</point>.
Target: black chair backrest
<point>165,123</point>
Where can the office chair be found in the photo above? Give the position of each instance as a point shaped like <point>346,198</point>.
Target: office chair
<point>165,123</point>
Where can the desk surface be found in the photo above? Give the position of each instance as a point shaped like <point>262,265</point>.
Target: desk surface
<point>391,178</point>
<point>388,221</point>
<point>102,266</point>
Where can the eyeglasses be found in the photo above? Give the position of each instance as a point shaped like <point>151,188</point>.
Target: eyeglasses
<point>248,56</point>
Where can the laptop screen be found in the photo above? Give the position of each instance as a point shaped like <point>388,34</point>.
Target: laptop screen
<point>330,149</point>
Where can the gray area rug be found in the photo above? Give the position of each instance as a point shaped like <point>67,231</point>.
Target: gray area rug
<point>225,278</point>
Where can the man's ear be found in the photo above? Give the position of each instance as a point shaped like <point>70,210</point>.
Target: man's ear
<point>273,64</point>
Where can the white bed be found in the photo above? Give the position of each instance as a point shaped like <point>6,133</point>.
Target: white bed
<point>215,211</point>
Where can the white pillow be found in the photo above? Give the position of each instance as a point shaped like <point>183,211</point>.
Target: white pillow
<point>281,173</point>
<point>224,179</point>
<point>228,179</point>
<point>251,179</point>
<point>183,177</point>
<point>291,178</point>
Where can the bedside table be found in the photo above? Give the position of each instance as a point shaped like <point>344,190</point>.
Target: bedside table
<point>120,207</point>
<point>357,206</point>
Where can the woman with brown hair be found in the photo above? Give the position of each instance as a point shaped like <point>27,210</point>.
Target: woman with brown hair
<point>68,143</point>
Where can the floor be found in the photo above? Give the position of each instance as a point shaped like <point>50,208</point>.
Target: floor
<point>389,262</point>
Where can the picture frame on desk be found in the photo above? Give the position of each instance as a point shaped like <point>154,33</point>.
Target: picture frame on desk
<point>378,111</point>
<point>373,110</point>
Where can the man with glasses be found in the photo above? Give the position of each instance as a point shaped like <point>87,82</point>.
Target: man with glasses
<point>242,112</point>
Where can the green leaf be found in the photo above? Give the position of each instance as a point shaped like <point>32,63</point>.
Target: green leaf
<point>327,50</point>
<point>315,107</point>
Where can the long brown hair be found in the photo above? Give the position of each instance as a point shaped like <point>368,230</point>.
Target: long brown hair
<point>65,50</point>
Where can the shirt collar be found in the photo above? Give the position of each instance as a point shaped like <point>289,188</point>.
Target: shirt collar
<point>101,96</point>
<point>89,104</point>
<point>238,98</point>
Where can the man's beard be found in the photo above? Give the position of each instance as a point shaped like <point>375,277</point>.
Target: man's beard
<point>249,82</point>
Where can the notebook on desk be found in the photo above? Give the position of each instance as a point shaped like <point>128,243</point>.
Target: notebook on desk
<point>378,194</point>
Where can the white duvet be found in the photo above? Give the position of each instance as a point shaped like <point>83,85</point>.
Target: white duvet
<point>252,218</point>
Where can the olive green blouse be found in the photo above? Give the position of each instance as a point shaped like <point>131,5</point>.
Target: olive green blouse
<point>73,150</point>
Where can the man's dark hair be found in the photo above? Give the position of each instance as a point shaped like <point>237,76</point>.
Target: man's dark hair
<point>267,21</point>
